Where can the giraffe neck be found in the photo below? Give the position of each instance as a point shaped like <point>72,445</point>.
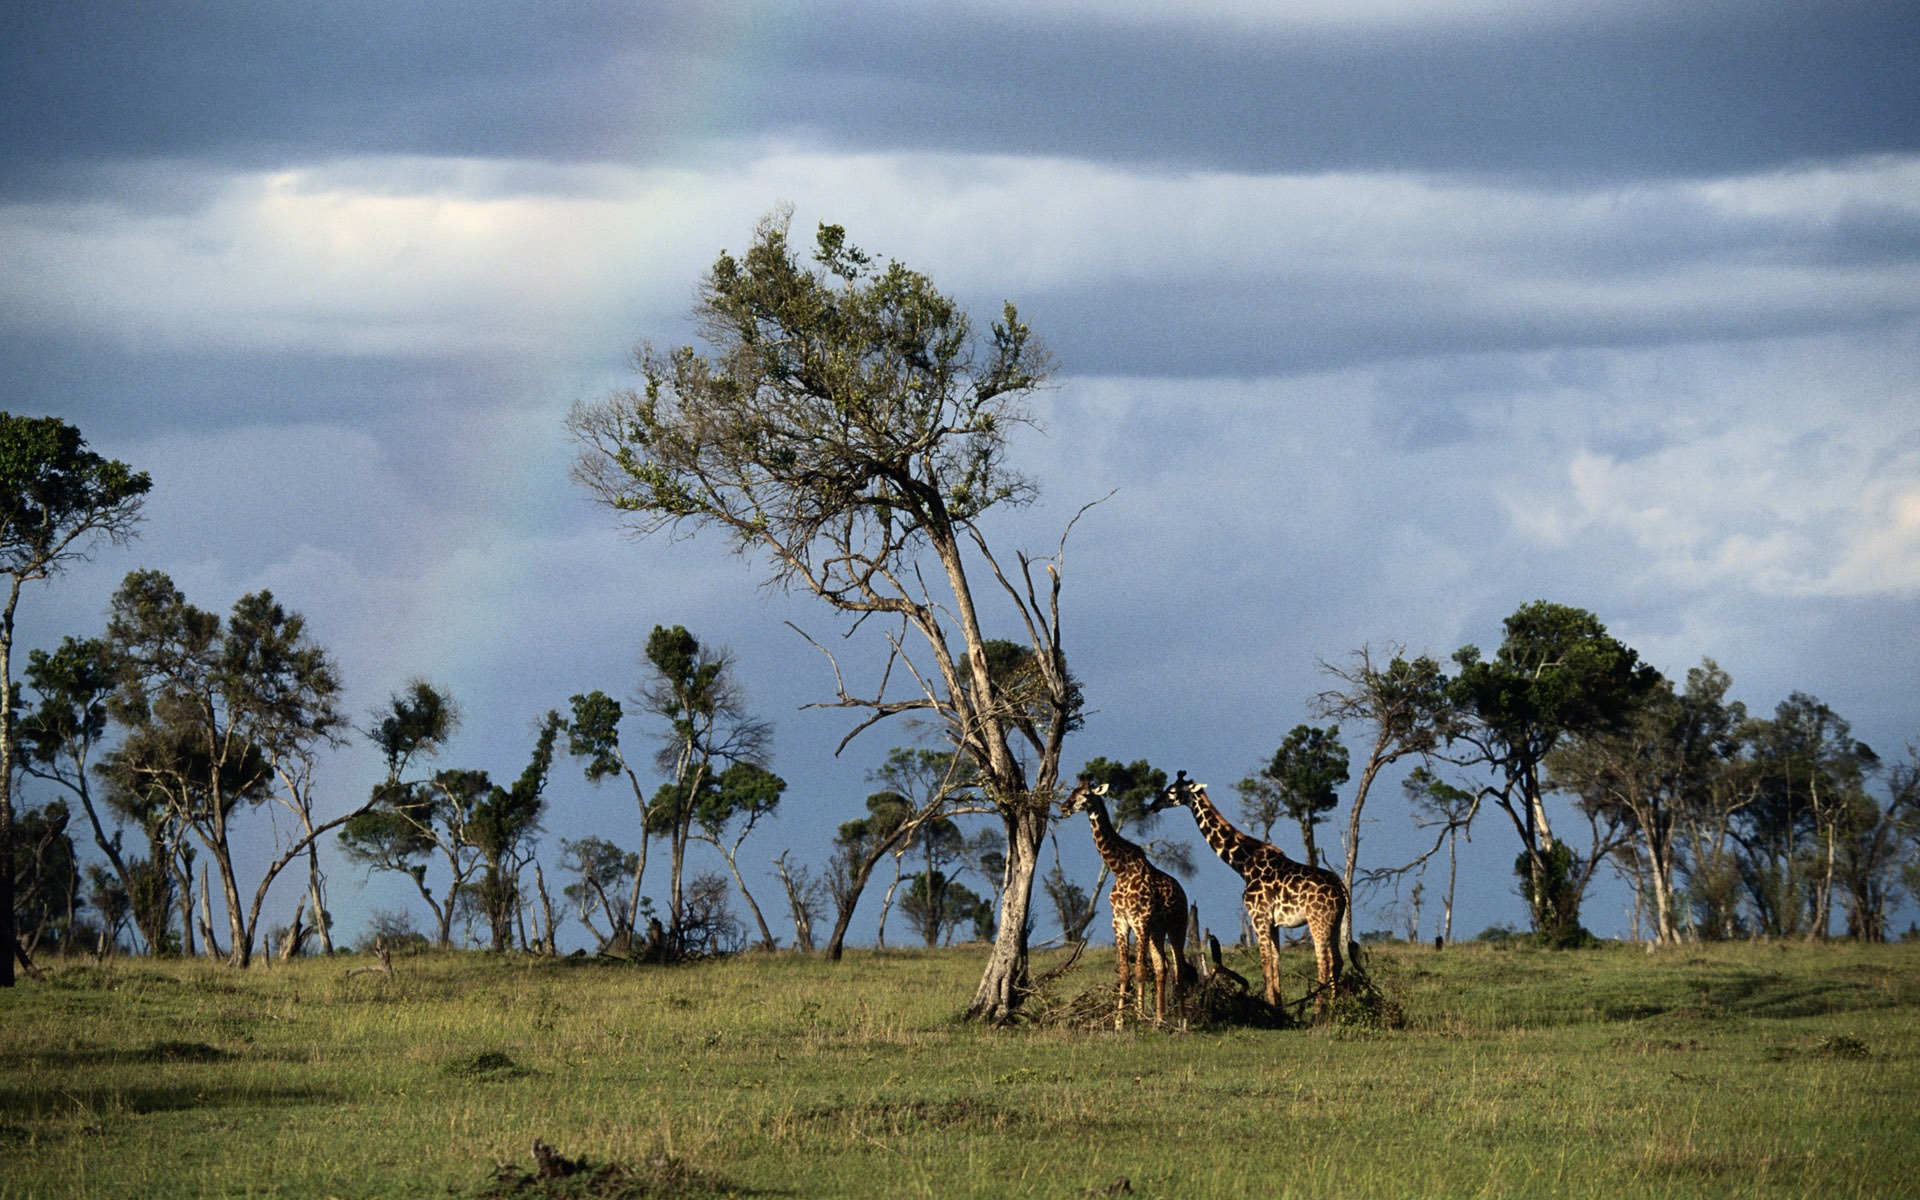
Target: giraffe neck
<point>1236,849</point>
<point>1117,852</point>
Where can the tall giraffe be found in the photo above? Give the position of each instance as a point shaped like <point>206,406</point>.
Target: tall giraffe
<point>1279,892</point>
<point>1147,903</point>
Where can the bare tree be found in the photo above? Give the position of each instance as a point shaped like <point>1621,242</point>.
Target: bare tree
<point>806,900</point>
<point>1405,701</point>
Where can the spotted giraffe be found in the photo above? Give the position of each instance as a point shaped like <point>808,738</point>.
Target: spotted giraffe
<point>1279,891</point>
<point>1148,905</point>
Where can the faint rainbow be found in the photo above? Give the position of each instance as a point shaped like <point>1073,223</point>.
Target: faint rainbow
<point>482,614</point>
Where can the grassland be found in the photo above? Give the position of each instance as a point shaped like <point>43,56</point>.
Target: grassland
<point>1748,1070</point>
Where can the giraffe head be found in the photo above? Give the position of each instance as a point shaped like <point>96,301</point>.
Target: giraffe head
<point>1178,794</point>
<point>1081,796</point>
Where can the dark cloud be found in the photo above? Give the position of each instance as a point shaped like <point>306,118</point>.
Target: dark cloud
<point>1716,89</point>
<point>1185,327</point>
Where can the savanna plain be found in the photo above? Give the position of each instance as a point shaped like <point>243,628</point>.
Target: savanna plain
<point>1730,1070</point>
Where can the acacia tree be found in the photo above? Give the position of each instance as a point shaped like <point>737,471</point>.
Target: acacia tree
<point>1451,809</point>
<point>412,818</point>
<point>60,737</point>
<point>1406,701</point>
<point>1649,771</point>
<point>57,498</point>
<point>47,893</point>
<point>806,898</point>
<point>1806,771</point>
<point>1869,835</point>
<point>1301,782</point>
<point>594,735</point>
<point>695,689</point>
<point>920,785</point>
<point>501,825</point>
<point>726,811</point>
<point>219,719</point>
<point>1558,673</point>
<point>848,422</point>
<point>604,874</point>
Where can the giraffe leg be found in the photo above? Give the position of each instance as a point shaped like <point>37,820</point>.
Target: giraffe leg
<point>1264,933</point>
<point>1324,972</point>
<point>1123,965</point>
<point>1183,973</point>
<point>1142,955</point>
<point>1158,958</point>
<point>1326,958</point>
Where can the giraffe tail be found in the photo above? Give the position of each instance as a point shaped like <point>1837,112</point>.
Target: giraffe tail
<point>1222,969</point>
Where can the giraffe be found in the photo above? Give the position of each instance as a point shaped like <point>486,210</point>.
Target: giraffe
<point>1148,904</point>
<point>1279,892</point>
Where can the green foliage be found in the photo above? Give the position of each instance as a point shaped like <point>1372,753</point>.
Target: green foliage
<point>54,492</point>
<point>1073,906</point>
<point>46,878</point>
<point>594,734</point>
<point>217,718</point>
<point>1022,693</point>
<point>1131,788</point>
<point>837,393</point>
<point>1547,885</point>
<point>919,783</point>
<point>937,907</point>
<point>417,724</point>
<point>1558,671</point>
<point>1301,782</point>
<point>605,878</point>
<point>500,824</point>
<point>1557,674</point>
<point>712,752</point>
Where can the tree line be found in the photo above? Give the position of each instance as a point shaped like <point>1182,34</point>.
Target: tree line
<point>1724,824</point>
<point>198,737</point>
<point>847,428</point>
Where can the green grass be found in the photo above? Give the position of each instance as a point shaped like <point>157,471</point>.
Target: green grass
<point>1735,1070</point>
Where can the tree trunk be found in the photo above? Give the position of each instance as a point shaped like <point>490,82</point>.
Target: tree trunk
<point>1352,866</point>
<point>886,903</point>
<point>1004,983</point>
<point>240,951</point>
<point>639,867</point>
<point>802,923</point>
<point>9,940</point>
<point>290,945</point>
<point>843,917</point>
<point>550,935</point>
<point>320,922</point>
<point>1660,851</point>
<point>182,872</point>
<point>206,917</point>
<point>767,941</point>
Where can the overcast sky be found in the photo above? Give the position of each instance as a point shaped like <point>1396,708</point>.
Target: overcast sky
<point>1378,319</point>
